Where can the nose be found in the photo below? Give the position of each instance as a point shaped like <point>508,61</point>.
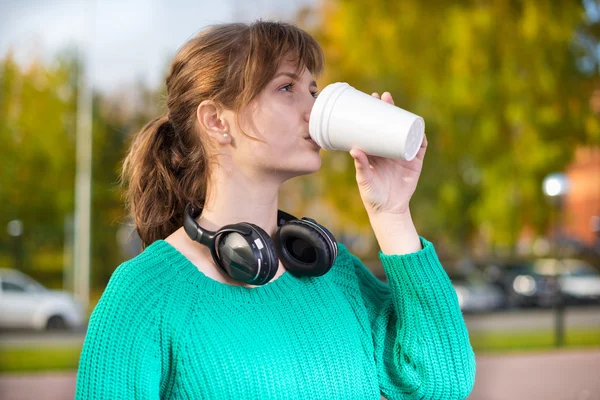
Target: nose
<point>308,107</point>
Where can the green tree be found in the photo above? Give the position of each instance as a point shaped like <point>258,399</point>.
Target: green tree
<point>37,163</point>
<point>37,155</point>
<point>502,91</point>
<point>116,118</point>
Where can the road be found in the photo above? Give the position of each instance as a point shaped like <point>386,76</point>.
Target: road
<point>41,339</point>
<point>556,375</point>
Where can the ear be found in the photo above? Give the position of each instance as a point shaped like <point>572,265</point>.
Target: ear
<point>211,118</point>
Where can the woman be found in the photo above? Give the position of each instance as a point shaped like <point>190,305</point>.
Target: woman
<point>172,323</point>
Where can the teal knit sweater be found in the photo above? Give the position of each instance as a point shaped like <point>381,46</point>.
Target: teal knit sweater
<point>163,329</point>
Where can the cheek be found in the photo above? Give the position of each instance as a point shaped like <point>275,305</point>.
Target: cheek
<point>274,123</point>
<point>276,129</point>
<point>260,123</point>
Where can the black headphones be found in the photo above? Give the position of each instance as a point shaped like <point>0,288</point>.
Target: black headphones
<point>247,253</point>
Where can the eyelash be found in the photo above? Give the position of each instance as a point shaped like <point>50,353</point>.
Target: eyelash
<point>292,84</point>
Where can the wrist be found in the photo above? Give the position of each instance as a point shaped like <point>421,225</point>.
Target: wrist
<point>401,216</point>
<point>395,233</point>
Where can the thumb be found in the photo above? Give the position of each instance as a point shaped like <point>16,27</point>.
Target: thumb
<point>361,164</point>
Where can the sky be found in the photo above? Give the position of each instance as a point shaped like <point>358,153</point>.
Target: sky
<point>124,40</point>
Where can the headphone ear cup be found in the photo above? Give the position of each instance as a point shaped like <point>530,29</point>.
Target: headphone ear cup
<point>304,249</point>
<point>256,270</point>
<point>270,262</point>
<point>329,235</point>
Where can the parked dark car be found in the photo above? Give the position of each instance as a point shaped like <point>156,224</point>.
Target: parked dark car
<point>475,294</point>
<point>539,282</point>
<point>578,280</point>
<point>522,285</point>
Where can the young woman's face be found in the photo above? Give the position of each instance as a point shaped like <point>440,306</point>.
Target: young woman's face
<point>279,117</point>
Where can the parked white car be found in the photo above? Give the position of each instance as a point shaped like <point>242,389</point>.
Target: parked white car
<point>26,304</point>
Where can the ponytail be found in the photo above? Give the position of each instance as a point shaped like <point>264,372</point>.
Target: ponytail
<point>161,174</point>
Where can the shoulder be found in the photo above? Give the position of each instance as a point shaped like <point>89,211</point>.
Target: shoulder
<point>139,283</point>
<point>146,297</point>
<point>144,270</point>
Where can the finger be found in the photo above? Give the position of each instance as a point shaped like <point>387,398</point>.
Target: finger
<point>358,156</point>
<point>361,160</point>
<point>387,97</point>
<point>422,149</point>
<point>375,94</point>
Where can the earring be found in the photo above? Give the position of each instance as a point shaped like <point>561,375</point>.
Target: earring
<point>225,135</point>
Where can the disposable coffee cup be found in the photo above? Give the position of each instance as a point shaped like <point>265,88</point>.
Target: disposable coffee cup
<point>343,117</point>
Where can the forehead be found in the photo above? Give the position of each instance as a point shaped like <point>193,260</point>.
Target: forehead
<point>289,65</point>
<point>289,68</point>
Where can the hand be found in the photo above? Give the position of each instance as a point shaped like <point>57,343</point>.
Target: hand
<point>386,185</point>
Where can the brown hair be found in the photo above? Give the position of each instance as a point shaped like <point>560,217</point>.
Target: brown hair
<point>168,163</point>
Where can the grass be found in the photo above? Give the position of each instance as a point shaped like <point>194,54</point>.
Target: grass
<point>39,359</point>
<point>13,360</point>
<point>524,341</point>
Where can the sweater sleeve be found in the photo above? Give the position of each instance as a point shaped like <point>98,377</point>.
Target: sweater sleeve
<point>121,358</point>
<point>421,343</point>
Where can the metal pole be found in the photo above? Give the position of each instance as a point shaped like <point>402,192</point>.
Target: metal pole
<point>15,230</point>
<point>68,254</point>
<point>559,304</point>
<point>83,174</point>
<point>559,322</point>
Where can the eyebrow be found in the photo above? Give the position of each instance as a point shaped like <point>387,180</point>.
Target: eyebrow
<point>293,76</point>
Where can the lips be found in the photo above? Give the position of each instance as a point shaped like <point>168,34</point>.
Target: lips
<point>309,139</point>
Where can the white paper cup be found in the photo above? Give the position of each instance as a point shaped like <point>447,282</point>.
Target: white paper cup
<point>343,117</point>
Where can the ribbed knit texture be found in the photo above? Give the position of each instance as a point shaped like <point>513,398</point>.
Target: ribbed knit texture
<point>163,329</point>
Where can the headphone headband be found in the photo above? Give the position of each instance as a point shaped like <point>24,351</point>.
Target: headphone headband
<point>248,254</point>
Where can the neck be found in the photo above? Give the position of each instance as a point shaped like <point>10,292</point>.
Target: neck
<point>235,197</point>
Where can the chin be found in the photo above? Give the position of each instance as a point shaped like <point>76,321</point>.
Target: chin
<point>307,171</point>
<point>305,166</point>
<point>314,164</point>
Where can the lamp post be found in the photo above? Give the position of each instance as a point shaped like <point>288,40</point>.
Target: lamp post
<point>15,229</point>
<point>83,169</point>
<point>556,187</point>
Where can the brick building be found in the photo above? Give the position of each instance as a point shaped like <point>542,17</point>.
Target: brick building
<point>582,203</point>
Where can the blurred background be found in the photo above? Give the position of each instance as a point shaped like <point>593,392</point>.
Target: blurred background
<point>509,193</point>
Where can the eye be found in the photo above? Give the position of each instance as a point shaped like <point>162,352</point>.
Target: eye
<point>288,86</point>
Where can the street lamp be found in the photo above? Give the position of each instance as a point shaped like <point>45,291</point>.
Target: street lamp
<point>556,187</point>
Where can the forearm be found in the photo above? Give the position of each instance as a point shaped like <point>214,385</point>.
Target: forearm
<point>395,233</point>
<point>431,353</point>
